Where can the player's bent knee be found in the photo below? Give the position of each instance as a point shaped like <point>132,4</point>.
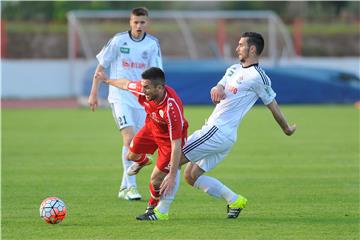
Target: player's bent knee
<point>133,156</point>
<point>127,141</point>
<point>156,182</point>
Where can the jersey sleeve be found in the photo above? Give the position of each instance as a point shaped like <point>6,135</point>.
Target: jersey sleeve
<point>175,119</point>
<point>155,56</point>
<point>229,72</point>
<point>263,89</point>
<point>108,53</point>
<point>135,88</point>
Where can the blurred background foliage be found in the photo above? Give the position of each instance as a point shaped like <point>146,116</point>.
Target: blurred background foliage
<point>39,28</point>
<point>56,10</point>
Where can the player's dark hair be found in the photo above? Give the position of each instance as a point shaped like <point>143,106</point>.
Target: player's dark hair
<point>255,39</point>
<point>155,75</point>
<point>140,11</point>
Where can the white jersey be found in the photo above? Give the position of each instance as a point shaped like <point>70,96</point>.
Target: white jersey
<point>128,58</point>
<point>243,86</point>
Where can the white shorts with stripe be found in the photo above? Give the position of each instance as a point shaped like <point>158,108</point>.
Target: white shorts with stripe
<point>126,116</point>
<point>207,147</point>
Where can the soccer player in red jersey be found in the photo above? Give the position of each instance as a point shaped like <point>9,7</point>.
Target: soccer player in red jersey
<point>165,129</point>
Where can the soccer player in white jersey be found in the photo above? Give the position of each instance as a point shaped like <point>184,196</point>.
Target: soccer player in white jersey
<point>241,86</point>
<point>127,55</point>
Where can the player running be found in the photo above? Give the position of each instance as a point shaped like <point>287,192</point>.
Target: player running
<point>127,55</point>
<point>241,86</point>
<point>165,129</point>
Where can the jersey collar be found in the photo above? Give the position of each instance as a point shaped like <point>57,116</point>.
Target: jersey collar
<point>255,64</point>
<point>136,40</point>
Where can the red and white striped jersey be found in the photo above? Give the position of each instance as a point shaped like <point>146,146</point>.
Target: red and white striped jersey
<point>166,119</point>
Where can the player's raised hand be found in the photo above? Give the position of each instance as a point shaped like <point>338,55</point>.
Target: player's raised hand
<point>217,94</point>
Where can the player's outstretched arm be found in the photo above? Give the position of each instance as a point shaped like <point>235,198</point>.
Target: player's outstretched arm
<point>280,119</point>
<point>119,83</point>
<point>169,182</point>
<point>93,100</point>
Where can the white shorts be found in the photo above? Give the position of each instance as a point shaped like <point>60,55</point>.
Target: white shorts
<point>207,147</point>
<point>126,116</point>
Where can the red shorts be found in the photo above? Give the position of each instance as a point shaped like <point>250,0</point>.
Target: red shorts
<point>145,142</point>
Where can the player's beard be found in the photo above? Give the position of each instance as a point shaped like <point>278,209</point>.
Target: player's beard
<point>244,56</point>
<point>151,97</point>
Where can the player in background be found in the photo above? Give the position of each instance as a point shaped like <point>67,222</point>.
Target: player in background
<point>127,55</point>
<point>234,95</point>
<point>165,129</point>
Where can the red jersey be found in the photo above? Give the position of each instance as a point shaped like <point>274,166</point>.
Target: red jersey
<point>165,119</point>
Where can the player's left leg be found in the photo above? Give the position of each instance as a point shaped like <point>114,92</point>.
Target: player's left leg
<point>157,177</point>
<point>194,176</point>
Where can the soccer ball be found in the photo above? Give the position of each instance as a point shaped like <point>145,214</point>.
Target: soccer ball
<point>52,210</point>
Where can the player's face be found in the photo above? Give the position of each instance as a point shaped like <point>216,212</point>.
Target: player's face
<point>138,25</point>
<point>243,49</point>
<point>151,92</point>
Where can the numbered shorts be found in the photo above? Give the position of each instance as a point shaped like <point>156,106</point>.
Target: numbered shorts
<point>126,116</point>
<point>207,147</point>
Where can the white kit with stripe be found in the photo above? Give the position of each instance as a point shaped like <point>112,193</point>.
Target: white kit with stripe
<point>128,58</point>
<point>243,87</point>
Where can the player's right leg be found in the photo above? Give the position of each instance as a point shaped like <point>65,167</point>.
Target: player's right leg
<point>143,143</point>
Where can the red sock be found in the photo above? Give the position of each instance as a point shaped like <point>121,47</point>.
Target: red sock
<point>143,159</point>
<point>154,196</point>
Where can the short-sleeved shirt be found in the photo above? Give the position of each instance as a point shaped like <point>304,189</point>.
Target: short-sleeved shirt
<point>128,58</point>
<point>243,87</point>
<point>166,119</point>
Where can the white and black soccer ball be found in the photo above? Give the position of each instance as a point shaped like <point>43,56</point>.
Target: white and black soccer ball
<point>52,210</point>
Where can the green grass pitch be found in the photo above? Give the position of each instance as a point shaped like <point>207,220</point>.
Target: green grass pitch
<point>300,187</point>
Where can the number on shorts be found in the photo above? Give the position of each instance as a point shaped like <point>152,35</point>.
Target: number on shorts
<point>122,120</point>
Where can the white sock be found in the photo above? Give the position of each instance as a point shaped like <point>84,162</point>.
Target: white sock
<point>127,181</point>
<point>123,182</point>
<point>215,188</point>
<point>165,201</point>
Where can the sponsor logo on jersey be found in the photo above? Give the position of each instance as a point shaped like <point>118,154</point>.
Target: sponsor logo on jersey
<point>124,44</point>
<point>154,117</point>
<point>129,64</point>
<point>145,55</point>
<point>161,112</point>
<point>125,50</point>
<point>267,90</point>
